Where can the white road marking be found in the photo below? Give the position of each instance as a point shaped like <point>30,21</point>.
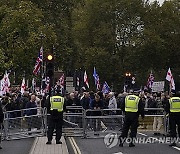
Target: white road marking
<point>74,149</point>
<point>118,153</point>
<point>142,134</point>
<point>74,145</point>
<point>177,148</point>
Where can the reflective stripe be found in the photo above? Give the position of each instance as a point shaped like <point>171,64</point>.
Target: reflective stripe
<point>131,103</point>
<point>174,104</point>
<point>57,103</point>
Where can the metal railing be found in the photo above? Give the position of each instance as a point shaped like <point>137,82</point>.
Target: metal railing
<point>73,121</point>
<point>98,123</point>
<point>24,123</point>
<point>157,112</point>
<point>77,122</point>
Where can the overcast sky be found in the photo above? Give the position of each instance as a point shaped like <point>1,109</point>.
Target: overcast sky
<point>160,1</point>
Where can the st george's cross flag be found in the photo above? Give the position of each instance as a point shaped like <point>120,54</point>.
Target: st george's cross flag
<point>86,79</point>
<point>169,77</point>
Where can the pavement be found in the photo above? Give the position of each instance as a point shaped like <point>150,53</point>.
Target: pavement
<point>40,147</point>
<point>22,146</point>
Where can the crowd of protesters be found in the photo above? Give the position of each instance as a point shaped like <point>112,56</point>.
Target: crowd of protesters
<point>88,101</point>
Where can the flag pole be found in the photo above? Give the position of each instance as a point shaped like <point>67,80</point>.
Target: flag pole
<point>170,88</point>
<point>42,64</point>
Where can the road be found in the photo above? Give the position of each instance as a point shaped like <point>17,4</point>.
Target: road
<point>93,146</point>
<point>22,146</point>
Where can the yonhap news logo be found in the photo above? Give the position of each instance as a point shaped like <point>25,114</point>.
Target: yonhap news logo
<point>111,140</point>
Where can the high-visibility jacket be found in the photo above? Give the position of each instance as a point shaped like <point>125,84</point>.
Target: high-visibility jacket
<point>174,104</point>
<point>57,103</point>
<point>131,103</point>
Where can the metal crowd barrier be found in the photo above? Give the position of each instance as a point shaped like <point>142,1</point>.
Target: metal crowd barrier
<point>18,125</point>
<point>77,122</point>
<point>97,123</point>
<point>73,121</point>
<point>151,114</point>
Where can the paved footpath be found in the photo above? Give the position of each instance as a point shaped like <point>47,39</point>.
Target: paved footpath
<point>40,147</point>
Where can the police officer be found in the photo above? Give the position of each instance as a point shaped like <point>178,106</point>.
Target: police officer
<point>173,108</point>
<point>132,106</point>
<point>56,109</point>
<point>1,121</point>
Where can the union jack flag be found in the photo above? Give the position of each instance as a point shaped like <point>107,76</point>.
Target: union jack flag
<point>61,81</point>
<point>150,81</point>
<point>38,62</point>
<point>45,84</point>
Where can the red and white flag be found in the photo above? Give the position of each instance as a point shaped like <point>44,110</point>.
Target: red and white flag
<point>169,77</point>
<point>5,84</point>
<point>86,79</point>
<point>38,62</point>
<point>23,86</point>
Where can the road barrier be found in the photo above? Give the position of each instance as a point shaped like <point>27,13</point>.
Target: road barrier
<point>97,123</point>
<point>77,122</point>
<point>153,118</point>
<point>73,121</point>
<point>24,123</point>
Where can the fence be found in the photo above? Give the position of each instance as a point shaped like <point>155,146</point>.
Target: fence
<point>73,121</point>
<point>153,118</point>
<point>98,123</point>
<point>77,122</point>
<point>18,125</point>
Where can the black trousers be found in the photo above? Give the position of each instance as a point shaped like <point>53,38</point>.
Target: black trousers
<point>55,123</point>
<point>174,120</point>
<point>130,122</point>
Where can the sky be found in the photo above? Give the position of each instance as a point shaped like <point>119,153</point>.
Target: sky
<point>160,1</point>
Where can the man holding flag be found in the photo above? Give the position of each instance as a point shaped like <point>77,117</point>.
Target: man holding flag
<point>173,108</point>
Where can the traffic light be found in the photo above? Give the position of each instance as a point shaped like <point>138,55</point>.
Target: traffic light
<point>128,79</point>
<point>50,66</point>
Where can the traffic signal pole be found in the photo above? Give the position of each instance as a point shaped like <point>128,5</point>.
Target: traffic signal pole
<point>50,70</point>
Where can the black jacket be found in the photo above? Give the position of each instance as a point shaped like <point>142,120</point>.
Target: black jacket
<point>1,115</point>
<point>95,106</point>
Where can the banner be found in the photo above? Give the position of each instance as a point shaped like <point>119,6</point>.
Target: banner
<point>158,86</point>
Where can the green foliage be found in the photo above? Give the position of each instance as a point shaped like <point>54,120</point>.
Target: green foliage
<point>20,27</point>
<point>115,36</point>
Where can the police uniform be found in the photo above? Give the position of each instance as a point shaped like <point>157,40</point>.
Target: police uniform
<point>56,118</point>
<point>132,106</point>
<point>174,117</point>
